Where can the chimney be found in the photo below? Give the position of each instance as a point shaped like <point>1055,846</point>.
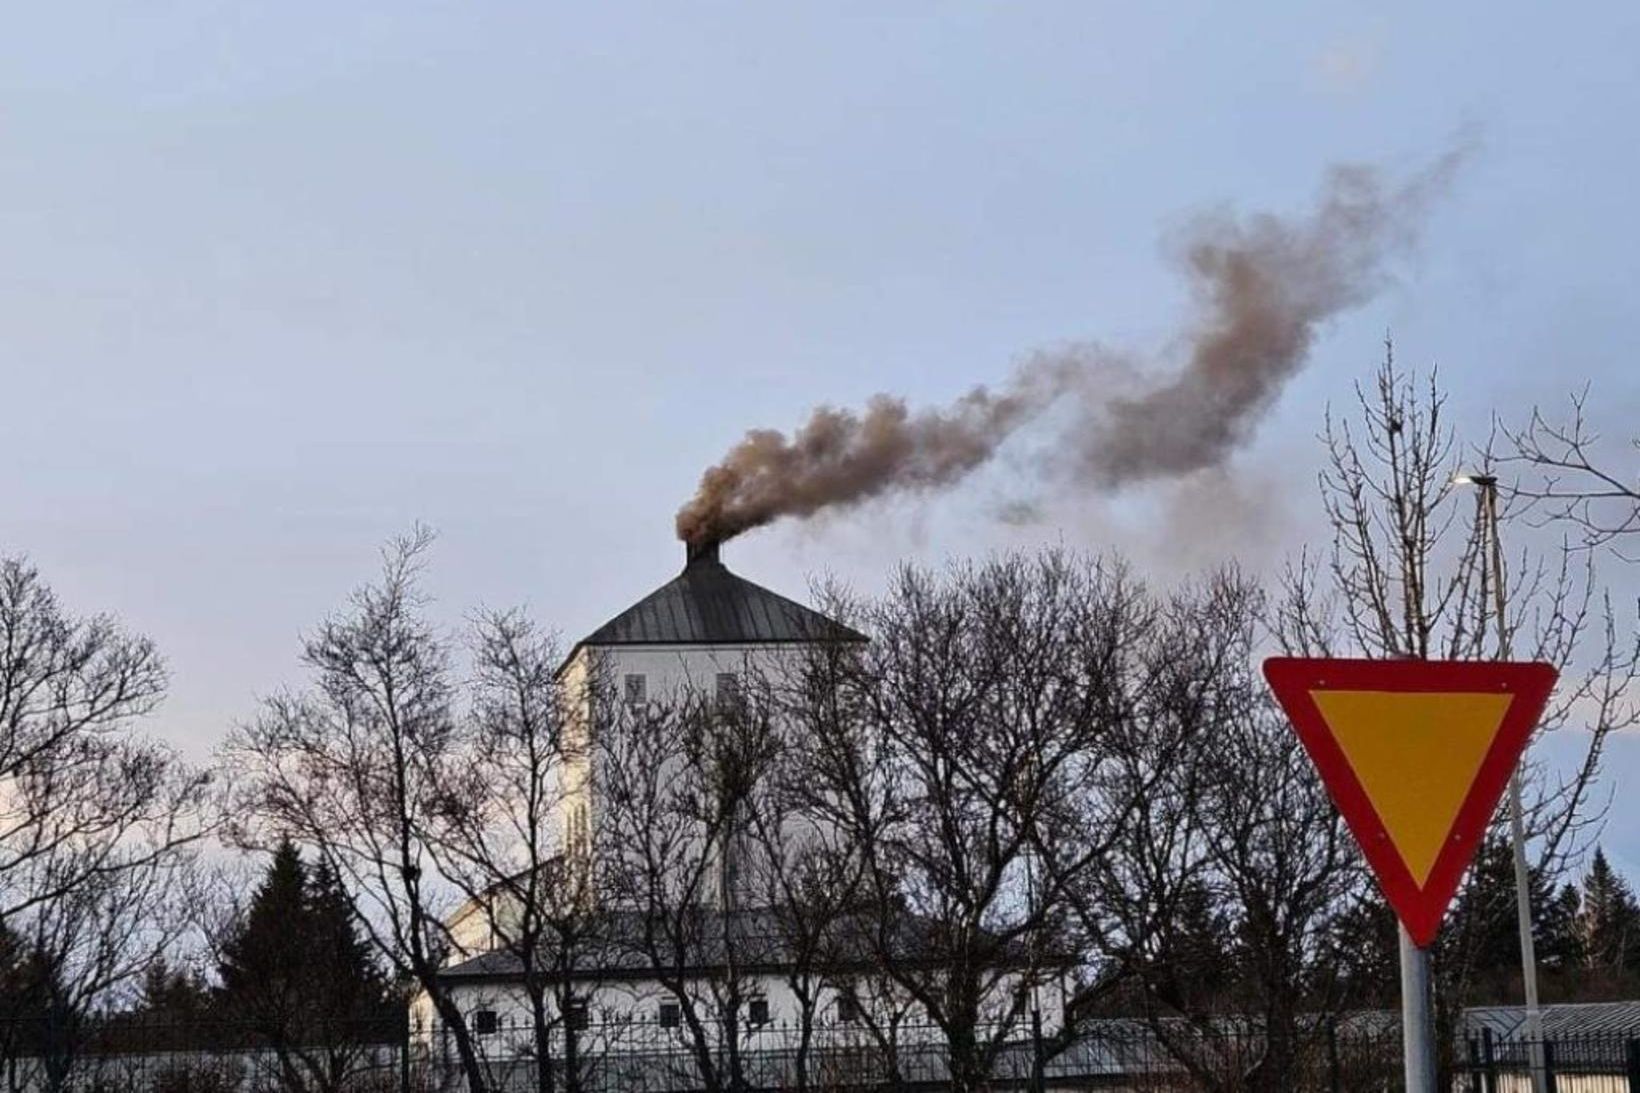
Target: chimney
<point>701,553</point>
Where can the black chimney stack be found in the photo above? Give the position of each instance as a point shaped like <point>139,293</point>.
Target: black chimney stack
<point>701,553</point>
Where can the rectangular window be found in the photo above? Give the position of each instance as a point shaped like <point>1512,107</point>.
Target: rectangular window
<point>671,1016</point>
<point>728,688</point>
<point>485,1022</point>
<point>576,1016</point>
<point>848,1008</point>
<point>757,1011</point>
<point>637,690</point>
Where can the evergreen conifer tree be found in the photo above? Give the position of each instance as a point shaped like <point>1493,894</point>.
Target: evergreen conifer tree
<point>358,989</point>
<point>1609,921</point>
<point>172,994</point>
<point>25,993</point>
<point>296,974</point>
<point>296,963</point>
<point>1560,942</point>
<point>262,963</point>
<point>22,978</point>
<point>1479,947</point>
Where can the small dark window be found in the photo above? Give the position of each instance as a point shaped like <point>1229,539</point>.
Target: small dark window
<point>671,1016</point>
<point>848,1008</point>
<point>728,688</point>
<point>576,1016</point>
<point>485,1022</point>
<point>757,1011</point>
<point>637,690</point>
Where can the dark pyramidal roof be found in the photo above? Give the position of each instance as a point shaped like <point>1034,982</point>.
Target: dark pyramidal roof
<point>708,605</point>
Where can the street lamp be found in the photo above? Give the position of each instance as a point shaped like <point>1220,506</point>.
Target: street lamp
<point>1487,484</point>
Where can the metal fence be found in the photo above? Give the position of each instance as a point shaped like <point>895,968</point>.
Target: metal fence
<point>128,1056</point>
<point>1587,1063</point>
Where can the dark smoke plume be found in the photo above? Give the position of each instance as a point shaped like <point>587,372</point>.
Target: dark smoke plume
<point>1262,288</point>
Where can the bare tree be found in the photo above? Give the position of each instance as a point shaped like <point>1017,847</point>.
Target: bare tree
<point>1409,576</point>
<point>1569,481</point>
<point>499,832</point>
<point>675,779</point>
<point>950,752</point>
<point>801,874</point>
<point>1216,904</point>
<point>96,942</point>
<point>97,825</point>
<point>354,768</point>
<point>85,801</point>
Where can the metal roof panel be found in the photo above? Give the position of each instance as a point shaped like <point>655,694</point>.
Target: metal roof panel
<point>706,604</point>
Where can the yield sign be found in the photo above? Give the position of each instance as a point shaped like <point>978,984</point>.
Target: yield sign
<point>1415,754</point>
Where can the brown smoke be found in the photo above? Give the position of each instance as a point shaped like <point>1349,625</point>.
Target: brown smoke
<point>1263,286</point>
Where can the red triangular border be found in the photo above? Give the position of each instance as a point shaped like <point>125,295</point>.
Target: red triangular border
<point>1292,679</point>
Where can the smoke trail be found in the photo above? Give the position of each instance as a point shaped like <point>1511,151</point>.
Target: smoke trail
<point>1262,288</point>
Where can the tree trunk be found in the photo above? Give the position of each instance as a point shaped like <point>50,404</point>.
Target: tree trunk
<point>472,1068</point>
<point>805,1043</point>
<point>61,1032</point>
<point>962,1042</point>
<point>542,1035</point>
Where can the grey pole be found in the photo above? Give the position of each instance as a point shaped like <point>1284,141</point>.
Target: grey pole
<point>1528,950</point>
<point>1487,484</point>
<point>1517,822</point>
<point>1417,1017</point>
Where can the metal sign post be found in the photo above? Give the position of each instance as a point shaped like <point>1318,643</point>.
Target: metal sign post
<point>1417,1017</point>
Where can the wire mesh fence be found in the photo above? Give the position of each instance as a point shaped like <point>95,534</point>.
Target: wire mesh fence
<point>152,1056</point>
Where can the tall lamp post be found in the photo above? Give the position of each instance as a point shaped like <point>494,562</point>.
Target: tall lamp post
<point>1487,484</point>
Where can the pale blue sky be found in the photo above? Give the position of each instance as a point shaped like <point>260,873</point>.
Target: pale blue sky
<point>277,281</point>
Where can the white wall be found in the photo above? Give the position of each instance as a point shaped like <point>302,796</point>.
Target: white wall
<point>631,1008</point>
<point>669,672</point>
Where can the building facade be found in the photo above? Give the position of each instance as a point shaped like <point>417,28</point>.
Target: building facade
<point>701,634</point>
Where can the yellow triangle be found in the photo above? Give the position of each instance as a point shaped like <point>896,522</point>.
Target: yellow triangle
<point>1416,755</point>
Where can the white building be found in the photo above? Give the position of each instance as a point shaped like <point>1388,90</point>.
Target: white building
<point>700,634</point>
<point>701,630</point>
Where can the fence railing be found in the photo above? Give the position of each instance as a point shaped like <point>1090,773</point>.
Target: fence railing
<point>1576,1063</point>
<point>149,1056</point>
